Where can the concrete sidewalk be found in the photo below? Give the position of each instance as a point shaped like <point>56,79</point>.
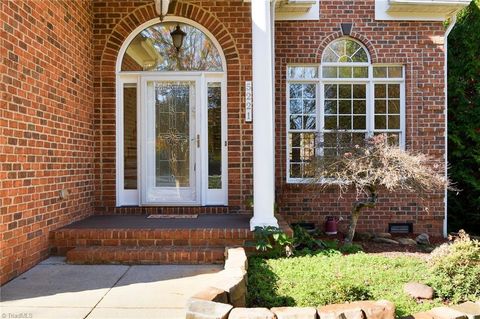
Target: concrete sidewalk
<point>54,289</point>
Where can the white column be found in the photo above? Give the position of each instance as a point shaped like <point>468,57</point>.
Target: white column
<point>263,117</point>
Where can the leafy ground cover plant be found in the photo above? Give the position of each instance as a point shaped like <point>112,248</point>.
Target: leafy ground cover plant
<point>456,269</point>
<point>304,243</point>
<point>272,241</point>
<point>302,240</point>
<point>330,277</point>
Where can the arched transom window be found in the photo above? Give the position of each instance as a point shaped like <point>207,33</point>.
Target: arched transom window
<point>345,50</point>
<point>153,50</point>
<point>345,58</point>
<point>341,101</point>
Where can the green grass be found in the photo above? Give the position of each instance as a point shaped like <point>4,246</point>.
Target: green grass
<point>334,278</point>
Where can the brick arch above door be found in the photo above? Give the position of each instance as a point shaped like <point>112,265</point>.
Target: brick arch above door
<point>108,48</point>
<point>181,9</point>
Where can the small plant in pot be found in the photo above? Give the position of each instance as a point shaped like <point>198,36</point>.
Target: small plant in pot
<point>331,225</point>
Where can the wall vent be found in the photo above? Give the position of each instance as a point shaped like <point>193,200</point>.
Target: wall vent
<point>400,228</point>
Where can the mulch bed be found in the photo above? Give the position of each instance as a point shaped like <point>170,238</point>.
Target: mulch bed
<point>392,250</point>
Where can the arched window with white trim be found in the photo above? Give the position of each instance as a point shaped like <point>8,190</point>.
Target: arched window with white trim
<point>343,100</point>
<point>171,117</point>
<point>153,50</point>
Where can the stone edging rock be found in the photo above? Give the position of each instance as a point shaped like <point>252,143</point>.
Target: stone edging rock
<point>466,310</point>
<point>226,299</point>
<point>228,291</point>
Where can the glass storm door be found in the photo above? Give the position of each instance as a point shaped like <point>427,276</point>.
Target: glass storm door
<point>170,142</point>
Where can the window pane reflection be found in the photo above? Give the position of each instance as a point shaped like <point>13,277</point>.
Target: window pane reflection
<point>153,50</point>
<point>130,136</point>
<point>214,103</point>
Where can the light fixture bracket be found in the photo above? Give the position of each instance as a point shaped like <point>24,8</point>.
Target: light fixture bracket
<point>161,8</point>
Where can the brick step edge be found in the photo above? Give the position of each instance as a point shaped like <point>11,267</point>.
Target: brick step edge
<point>151,234</point>
<point>145,255</point>
<point>63,240</point>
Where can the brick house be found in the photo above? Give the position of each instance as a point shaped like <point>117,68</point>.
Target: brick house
<point>106,114</point>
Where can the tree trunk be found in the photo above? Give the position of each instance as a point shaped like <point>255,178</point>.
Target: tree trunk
<point>353,224</point>
<point>355,213</point>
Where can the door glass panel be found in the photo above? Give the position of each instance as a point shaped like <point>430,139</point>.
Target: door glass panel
<point>214,103</point>
<point>130,135</point>
<point>172,133</point>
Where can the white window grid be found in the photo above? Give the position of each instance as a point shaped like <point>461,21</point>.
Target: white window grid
<point>320,83</point>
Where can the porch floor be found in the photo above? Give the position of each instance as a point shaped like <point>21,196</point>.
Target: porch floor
<point>236,221</point>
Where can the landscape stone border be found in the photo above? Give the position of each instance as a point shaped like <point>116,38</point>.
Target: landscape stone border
<point>226,299</point>
<point>230,288</point>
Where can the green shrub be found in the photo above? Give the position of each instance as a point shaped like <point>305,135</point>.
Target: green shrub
<point>303,240</point>
<point>272,241</point>
<point>463,119</point>
<point>456,269</point>
<point>305,243</point>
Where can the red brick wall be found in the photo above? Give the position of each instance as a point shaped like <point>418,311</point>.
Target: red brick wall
<point>408,43</point>
<point>412,44</point>
<point>46,125</point>
<point>57,124</point>
<point>229,22</point>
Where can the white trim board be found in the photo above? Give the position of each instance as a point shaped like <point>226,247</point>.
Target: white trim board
<point>417,10</point>
<point>290,10</point>
<point>311,13</point>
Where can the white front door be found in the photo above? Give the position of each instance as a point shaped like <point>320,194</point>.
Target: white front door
<point>170,140</point>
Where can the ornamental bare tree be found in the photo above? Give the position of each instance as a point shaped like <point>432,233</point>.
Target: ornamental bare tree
<point>376,165</point>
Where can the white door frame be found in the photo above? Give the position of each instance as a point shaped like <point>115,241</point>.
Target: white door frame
<point>214,196</point>
<point>132,197</point>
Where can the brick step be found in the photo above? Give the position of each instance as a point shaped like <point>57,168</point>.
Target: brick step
<point>151,255</point>
<point>168,210</point>
<point>62,240</point>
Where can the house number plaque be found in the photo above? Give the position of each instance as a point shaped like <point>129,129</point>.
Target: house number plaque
<point>248,101</point>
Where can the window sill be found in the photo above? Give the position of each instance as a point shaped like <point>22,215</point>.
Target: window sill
<point>307,181</point>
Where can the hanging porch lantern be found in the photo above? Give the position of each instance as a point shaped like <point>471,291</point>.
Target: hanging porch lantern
<point>161,8</point>
<point>177,37</point>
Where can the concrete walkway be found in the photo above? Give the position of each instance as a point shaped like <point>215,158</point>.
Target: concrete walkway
<point>54,289</point>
